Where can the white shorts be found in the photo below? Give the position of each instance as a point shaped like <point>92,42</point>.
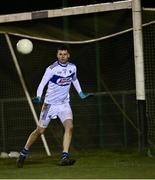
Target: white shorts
<point>49,112</point>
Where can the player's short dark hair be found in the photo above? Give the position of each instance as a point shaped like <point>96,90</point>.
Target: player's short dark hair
<point>63,47</point>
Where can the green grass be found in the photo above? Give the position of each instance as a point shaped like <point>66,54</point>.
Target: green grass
<point>98,164</point>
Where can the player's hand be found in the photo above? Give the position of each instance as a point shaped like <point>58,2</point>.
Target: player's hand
<point>37,100</point>
<point>85,95</point>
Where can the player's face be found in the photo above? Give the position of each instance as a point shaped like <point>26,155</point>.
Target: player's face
<point>63,56</point>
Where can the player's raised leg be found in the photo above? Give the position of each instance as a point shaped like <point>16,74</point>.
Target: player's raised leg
<point>31,139</point>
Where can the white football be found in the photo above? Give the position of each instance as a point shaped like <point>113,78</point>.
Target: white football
<point>24,46</point>
<point>4,155</point>
<point>14,154</point>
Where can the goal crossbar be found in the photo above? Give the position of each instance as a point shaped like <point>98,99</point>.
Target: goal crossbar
<point>77,10</point>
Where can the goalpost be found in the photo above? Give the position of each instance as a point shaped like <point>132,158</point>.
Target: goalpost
<point>139,71</point>
<point>134,5</point>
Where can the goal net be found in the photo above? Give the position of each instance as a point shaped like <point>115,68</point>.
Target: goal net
<point>101,46</point>
<point>149,55</point>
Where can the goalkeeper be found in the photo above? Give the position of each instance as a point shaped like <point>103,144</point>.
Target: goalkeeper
<point>59,77</point>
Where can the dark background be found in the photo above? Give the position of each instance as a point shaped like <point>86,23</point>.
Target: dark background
<point>8,6</point>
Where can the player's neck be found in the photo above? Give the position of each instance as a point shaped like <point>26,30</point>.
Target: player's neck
<point>63,64</point>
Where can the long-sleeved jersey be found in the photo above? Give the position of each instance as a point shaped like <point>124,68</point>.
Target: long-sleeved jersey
<point>59,78</point>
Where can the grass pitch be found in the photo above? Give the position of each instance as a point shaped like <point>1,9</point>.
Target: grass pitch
<point>97,164</point>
